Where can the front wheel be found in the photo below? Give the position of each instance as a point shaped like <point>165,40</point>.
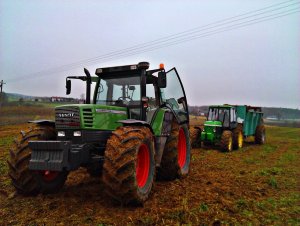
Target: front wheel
<point>26,181</point>
<point>237,137</point>
<point>129,166</point>
<point>175,161</point>
<point>226,140</point>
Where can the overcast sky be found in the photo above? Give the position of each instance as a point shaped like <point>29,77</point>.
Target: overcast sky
<point>255,65</point>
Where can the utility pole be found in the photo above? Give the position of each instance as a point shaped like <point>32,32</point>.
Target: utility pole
<point>1,91</point>
<point>1,85</point>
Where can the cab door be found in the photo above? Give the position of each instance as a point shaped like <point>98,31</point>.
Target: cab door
<point>173,96</point>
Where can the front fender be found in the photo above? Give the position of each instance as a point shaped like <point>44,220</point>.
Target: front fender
<point>134,122</point>
<point>43,122</point>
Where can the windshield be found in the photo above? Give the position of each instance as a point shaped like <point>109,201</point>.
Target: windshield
<point>218,114</point>
<point>119,91</point>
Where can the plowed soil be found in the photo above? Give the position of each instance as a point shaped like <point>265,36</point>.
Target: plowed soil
<point>258,184</point>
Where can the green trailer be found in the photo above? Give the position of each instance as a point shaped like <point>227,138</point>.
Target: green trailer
<point>228,125</point>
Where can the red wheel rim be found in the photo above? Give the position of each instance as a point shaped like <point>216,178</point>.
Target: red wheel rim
<point>49,175</point>
<point>181,148</point>
<point>142,168</point>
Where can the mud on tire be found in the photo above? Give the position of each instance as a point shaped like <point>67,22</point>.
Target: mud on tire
<point>29,182</point>
<point>226,141</point>
<point>177,154</point>
<point>237,137</point>
<point>129,165</point>
<point>195,137</point>
<point>260,134</point>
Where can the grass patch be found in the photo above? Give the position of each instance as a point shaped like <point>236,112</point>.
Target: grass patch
<point>273,182</point>
<point>268,148</point>
<point>3,167</point>
<point>270,171</point>
<point>203,207</point>
<point>241,204</point>
<point>288,157</point>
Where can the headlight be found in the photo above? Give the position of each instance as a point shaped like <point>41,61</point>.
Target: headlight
<point>215,130</point>
<point>61,133</point>
<point>77,134</point>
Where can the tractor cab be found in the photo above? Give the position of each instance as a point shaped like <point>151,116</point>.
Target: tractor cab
<point>219,118</point>
<point>224,116</point>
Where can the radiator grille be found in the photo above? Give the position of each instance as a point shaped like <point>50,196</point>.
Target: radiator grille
<point>67,118</point>
<point>88,118</point>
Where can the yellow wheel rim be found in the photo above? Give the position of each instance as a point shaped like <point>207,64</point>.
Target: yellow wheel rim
<point>230,145</point>
<point>240,140</point>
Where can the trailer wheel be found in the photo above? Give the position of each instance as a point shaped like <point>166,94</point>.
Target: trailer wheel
<point>177,154</point>
<point>26,181</point>
<point>226,140</point>
<point>237,137</point>
<point>129,165</point>
<point>195,137</point>
<point>260,134</point>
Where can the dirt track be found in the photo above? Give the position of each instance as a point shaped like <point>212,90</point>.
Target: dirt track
<point>258,185</point>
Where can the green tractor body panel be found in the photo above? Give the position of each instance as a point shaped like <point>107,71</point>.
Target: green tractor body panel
<point>157,123</point>
<point>209,132</point>
<point>96,117</point>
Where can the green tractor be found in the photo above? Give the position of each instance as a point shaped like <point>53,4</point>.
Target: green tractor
<point>228,125</point>
<point>137,126</point>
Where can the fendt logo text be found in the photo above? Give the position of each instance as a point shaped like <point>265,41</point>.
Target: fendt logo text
<point>65,115</point>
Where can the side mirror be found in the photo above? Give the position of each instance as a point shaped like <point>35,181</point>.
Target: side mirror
<point>132,88</point>
<point>68,87</point>
<point>162,79</point>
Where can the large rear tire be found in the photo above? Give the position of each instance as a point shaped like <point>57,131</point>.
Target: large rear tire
<point>237,137</point>
<point>260,134</point>
<point>177,154</point>
<point>226,141</point>
<point>30,182</point>
<point>129,165</point>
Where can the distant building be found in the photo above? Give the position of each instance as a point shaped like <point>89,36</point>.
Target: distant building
<point>62,99</point>
<point>272,117</point>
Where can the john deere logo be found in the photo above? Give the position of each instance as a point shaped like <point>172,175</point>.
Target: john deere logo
<point>65,115</point>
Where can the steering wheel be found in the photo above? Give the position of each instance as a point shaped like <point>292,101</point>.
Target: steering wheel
<point>125,98</point>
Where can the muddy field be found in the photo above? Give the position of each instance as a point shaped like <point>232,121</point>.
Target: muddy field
<point>255,185</point>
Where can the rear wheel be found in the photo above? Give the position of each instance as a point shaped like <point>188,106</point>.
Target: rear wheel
<point>177,153</point>
<point>237,137</point>
<point>226,140</point>
<point>129,166</point>
<point>27,181</point>
<point>260,134</point>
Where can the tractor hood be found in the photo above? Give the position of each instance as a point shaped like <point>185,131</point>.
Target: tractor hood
<point>213,123</point>
<point>89,116</point>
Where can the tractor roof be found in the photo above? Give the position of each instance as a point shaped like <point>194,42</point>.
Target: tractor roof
<point>133,68</point>
<point>221,106</point>
<point>248,107</point>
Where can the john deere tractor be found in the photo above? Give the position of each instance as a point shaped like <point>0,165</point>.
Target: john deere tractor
<point>228,125</point>
<point>136,125</point>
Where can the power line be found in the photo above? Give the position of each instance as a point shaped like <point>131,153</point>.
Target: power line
<point>174,39</point>
<point>196,37</point>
